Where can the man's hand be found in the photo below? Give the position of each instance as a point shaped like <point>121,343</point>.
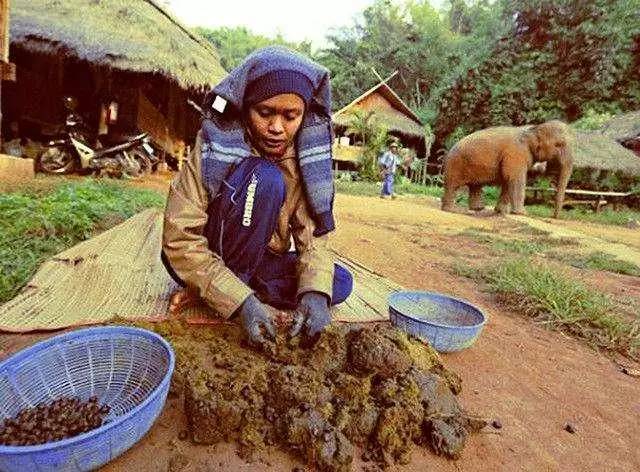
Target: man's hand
<point>313,315</point>
<point>181,299</point>
<point>255,317</point>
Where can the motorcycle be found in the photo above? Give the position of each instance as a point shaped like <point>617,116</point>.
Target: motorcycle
<point>134,157</point>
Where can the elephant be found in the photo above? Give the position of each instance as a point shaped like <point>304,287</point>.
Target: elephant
<point>502,156</point>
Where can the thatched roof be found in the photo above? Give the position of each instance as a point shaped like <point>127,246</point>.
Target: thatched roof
<point>132,35</point>
<point>623,127</point>
<point>596,151</point>
<point>394,121</point>
<point>399,117</point>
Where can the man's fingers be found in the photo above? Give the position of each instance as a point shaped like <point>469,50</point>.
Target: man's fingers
<point>182,298</point>
<point>313,331</point>
<point>315,325</point>
<point>255,336</point>
<point>298,322</point>
<point>270,329</point>
<point>311,335</point>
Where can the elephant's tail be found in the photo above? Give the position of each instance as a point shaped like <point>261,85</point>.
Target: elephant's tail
<point>451,154</point>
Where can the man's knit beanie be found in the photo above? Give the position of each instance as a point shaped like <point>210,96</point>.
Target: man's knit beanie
<point>278,82</point>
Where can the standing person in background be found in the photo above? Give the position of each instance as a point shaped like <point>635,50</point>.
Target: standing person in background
<point>388,163</point>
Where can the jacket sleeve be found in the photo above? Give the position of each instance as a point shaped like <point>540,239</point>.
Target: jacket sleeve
<point>187,249</point>
<point>315,262</point>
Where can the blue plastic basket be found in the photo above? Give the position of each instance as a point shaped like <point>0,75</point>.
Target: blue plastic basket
<point>448,324</point>
<point>128,369</point>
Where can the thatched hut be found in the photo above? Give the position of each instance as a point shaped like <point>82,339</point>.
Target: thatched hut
<point>598,152</point>
<point>387,109</point>
<point>625,129</point>
<point>130,53</point>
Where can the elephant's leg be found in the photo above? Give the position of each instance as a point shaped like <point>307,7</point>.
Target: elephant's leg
<point>502,207</point>
<point>475,198</point>
<point>517,193</point>
<point>449,197</point>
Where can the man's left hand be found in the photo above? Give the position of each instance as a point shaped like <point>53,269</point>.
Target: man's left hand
<point>311,316</point>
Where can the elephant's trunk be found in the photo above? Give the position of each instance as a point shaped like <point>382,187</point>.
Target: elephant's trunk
<point>563,180</point>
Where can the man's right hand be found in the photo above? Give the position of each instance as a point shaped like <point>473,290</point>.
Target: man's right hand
<point>255,317</point>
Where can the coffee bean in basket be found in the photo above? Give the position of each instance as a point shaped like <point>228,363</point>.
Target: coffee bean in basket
<point>59,419</point>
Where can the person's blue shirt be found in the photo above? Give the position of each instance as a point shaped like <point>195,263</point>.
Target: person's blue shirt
<point>389,161</point>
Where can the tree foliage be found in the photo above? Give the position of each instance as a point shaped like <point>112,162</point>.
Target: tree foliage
<point>234,44</point>
<point>389,37</point>
<point>414,39</point>
<point>373,138</point>
<point>479,63</point>
<point>559,59</point>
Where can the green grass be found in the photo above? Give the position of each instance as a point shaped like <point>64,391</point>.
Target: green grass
<point>605,217</point>
<point>519,246</point>
<point>39,222</point>
<point>515,246</point>
<point>530,230</point>
<point>372,189</point>
<point>553,297</point>
<point>603,261</point>
<point>559,242</point>
<point>490,198</point>
<point>479,235</point>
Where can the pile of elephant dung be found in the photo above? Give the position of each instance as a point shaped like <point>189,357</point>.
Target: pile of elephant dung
<point>372,388</point>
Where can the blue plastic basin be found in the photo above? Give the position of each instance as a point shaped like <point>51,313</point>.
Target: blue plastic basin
<point>127,368</point>
<point>448,324</point>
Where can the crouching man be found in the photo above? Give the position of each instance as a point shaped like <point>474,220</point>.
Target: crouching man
<point>259,177</point>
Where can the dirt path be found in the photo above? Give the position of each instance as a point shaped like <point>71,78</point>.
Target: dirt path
<point>622,243</point>
<point>532,379</point>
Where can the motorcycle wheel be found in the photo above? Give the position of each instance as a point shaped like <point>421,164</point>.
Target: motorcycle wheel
<point>143,161</point>
<point>56,161</point>
<point>130,166</point>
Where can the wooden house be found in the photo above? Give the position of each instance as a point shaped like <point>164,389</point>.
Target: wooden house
<point>387,109</point>
<point>129,63</point>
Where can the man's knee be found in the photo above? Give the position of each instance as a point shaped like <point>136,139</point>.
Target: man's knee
<point>342,284</point>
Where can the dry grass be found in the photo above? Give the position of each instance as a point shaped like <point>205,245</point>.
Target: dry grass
<point>124,34</point>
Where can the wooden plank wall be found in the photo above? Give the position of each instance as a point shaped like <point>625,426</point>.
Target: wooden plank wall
<point>4,30</point>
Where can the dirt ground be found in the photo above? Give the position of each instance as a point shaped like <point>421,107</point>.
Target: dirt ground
<point>533,380</point>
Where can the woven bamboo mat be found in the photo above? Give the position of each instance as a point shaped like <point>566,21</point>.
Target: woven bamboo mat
<point>118,274</point>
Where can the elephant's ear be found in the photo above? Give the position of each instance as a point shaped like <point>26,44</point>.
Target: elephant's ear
<point>531,138</point>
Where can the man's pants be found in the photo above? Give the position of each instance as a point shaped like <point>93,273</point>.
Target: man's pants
<point>242,219</point>
<point>387,184</point>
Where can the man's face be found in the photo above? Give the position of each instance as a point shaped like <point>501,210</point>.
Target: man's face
<point>274,122</point>
<point>394,149</point>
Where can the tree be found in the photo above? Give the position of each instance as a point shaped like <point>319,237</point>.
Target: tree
<point>373,138</point>
<point>459,18</point>
<point>559,59</point>
<point>409,38</point>
<point>236,43</point>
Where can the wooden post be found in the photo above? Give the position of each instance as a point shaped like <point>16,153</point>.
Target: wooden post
<point>1,66</point>
<point>4,49</point>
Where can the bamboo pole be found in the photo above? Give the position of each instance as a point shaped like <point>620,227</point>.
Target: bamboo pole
<point>4,30</point>
<point>4,49</point>
<point>425,169</point>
